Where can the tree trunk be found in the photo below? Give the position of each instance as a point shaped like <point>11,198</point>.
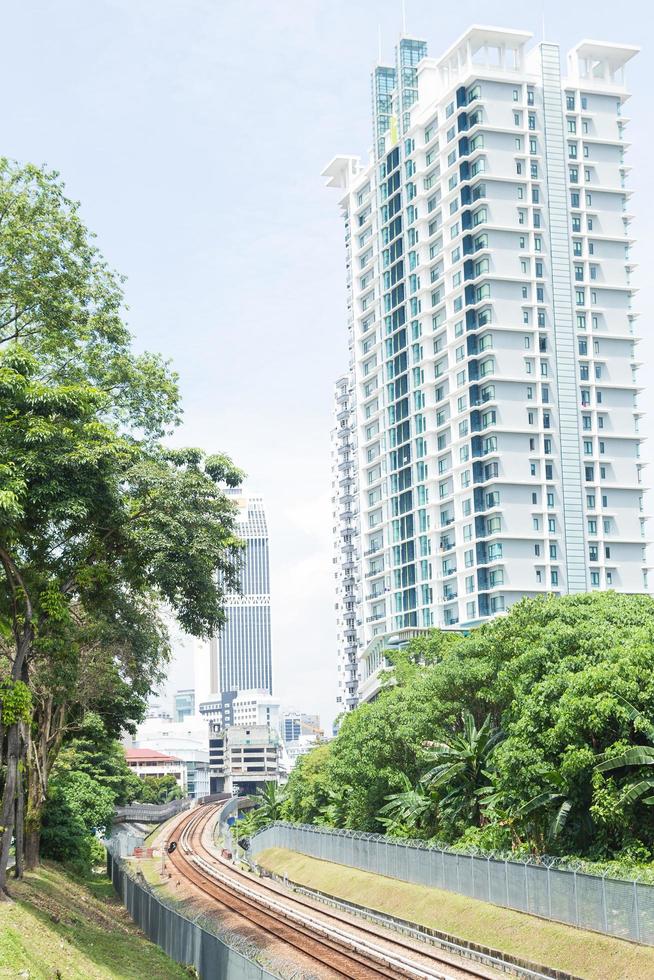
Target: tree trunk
<point>42,751</point>
<point>9,802</point>
<point>7,814</point>
<point>33,818</point>
<point>19,834</point>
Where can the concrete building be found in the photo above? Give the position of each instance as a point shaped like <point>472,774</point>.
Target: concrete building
<point>345,516</point>
<point>147,763</point>
<point>297,725</point>
<point>241,656</point>
<point>493,385</point>
<point>242,758</point>
<point>218,710</point>
<point>256,707</point>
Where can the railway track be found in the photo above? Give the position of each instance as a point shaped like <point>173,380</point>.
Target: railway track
<point>356,951</point>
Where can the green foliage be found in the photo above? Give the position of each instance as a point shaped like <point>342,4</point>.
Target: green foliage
<point>459,774</point>
<point>156,789</point>
<point>101,524</point>
<point>561,678</point>
<point>15,702</point>
<point>410,812</point>
<point>99,756</point>
<point>307,790</point>
<point>77,807</point>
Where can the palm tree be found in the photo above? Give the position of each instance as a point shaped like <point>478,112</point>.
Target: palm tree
<point>270,798</point>
<point>639,755</point>
<point>460,769</point>
<point>406,811</point>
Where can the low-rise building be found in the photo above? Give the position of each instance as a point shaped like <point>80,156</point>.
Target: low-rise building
<point>148,763</point>
<point>184,740</point>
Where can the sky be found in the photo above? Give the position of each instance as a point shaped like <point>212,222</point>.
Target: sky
<point>194,133</point>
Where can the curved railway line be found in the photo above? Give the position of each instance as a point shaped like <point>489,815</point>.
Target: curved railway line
<point>341,948</point>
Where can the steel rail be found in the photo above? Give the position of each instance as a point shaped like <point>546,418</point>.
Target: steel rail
<point>387,962</point>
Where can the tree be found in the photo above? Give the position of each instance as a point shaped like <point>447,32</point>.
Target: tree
<point>94,511</point>
<point>334,811</point>
<point>637,784</point>
<point>308,786</point>
<point>554,675</point>
<point>156,789</point>
<point>78,807</point>
<point>459,773</point>
<point>103,677</point>
<point>410,812</point>
<point>270,799</point>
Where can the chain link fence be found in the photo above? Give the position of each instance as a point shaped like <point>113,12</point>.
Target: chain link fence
<point>543,886</point>
<point>182,939</point>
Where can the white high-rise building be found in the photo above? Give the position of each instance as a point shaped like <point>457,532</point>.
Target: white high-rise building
<point>491,320</point>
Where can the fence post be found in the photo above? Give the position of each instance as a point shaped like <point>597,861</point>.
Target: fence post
<point>488,874</point>
<point>576,897</point>
<point>636,911</point>
<point>604,909</point>
<point>549,892</point>
<point>443,868</point>
<point>506,882</point>
<point>526,886</point>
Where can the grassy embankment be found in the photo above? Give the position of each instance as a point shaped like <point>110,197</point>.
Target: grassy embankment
<point>583,954</point>
<point>62,927</point>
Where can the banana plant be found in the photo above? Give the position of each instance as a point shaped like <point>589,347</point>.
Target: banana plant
<point>634,758</point>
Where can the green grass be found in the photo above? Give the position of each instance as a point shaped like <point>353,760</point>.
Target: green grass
<point>583,954</point>
<point>60,926</point>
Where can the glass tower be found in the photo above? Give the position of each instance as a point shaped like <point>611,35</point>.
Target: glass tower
<point>242,653</point>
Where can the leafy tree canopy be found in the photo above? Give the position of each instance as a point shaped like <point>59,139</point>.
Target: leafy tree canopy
<point>560,678</point>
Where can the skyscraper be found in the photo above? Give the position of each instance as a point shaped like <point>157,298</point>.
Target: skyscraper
<point>492,332</point>
<point>241,656</point>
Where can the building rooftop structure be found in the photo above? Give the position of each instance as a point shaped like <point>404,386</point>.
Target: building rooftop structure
<point>149,755</point>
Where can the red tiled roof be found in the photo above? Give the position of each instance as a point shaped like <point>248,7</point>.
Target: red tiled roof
<point>150,755</point>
